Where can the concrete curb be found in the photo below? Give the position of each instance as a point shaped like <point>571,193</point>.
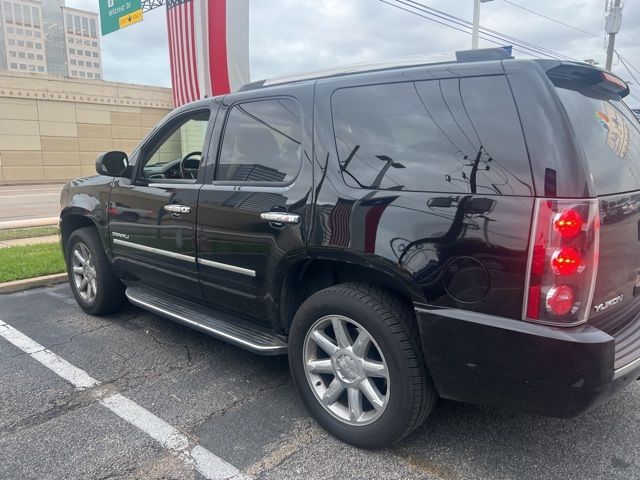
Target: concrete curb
<point>27,283</point>
<point>32,222</point>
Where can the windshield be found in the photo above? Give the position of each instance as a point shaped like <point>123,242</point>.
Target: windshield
<point>609,135</point>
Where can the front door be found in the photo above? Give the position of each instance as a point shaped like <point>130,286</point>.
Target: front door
<point>253,210</point>
<point>152,218</point>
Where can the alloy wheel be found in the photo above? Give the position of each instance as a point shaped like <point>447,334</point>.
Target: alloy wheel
<point>346,370</point>
<point>84,272</point>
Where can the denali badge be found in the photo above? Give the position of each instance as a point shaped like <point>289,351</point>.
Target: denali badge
<point>120,235</point>
<point>608,303</point>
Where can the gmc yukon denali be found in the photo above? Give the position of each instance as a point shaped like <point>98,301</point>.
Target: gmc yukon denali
<point>467,230</point>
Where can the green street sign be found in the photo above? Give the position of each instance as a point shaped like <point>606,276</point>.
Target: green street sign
<point>117,14</point>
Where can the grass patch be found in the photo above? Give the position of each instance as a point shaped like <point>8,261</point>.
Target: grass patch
<point>29,232</point>
<point>17,263</point>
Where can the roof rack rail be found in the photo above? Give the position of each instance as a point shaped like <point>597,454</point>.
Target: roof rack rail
<point>484,54</point>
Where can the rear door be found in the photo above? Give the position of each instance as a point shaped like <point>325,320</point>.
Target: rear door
<point>152,217</point>
<point>609,137</point>
<point>254,208</point>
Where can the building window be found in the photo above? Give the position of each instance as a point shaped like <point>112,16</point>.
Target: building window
<point>97,75</point>
<point>29,44</point>
<point>85,26</point>
<point>41,69</point>
<point>96,65</point>
<point>37,34</point>
<point>94,44</point>
<point>72,51</point>
<point>73,61</point>
<point>10,30</point>
<point>82,74</point>
<point>32,68</point>
<point>26,13</point>
<point>92,29</point>
<point>95,54</point>
<point>39,57</point>
<point>89,75</point>
<point>21,43</point>
<point>14,66</point>
<point>8,12</point>
<point>12,53</point>
<point>81,63</point>
<point>38,45</point>
<point>20,54</point>
<point>30,56</point>
<point>28,33</point>
<point>74,73</point>
<point>19,31</point>
<point>12,41</point>
<point>76,25</point>
<point>23,66</point>
<point>36,16</point>
<point>17,12</point>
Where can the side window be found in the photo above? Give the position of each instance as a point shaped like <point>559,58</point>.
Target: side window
<point>177,152</point>
<point>262,142</point>
<point>458,135</point>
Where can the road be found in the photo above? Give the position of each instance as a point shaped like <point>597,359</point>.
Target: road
<point>23,202</point>
<point>242,410</point>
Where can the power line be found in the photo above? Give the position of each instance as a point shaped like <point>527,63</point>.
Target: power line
<point>553,19</point>
<point>441,23</point>
<point>502,36</point>
<point>517,46</point>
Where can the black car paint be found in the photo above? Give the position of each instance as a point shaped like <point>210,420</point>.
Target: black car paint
<point>477,351</point>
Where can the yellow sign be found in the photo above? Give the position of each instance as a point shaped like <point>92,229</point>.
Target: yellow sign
<point>130,18</point>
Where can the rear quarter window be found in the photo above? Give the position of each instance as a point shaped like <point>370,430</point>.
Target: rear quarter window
<point>455,135</point>
<point>609,135</point>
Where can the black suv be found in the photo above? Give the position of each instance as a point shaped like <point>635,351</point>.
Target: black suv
<point>467,230</point>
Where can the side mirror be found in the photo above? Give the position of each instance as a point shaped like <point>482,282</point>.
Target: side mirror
<point>113,164</point>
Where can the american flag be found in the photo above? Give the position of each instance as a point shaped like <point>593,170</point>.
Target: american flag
<point>208,47</point>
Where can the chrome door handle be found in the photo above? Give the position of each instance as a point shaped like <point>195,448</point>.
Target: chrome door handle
<point>280,217</point>
<point>173,208</point>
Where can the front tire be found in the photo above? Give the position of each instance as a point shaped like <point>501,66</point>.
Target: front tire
<point>357,364</point>
<point>95,287</point>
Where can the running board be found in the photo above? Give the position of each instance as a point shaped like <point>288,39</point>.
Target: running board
<point>226,327</point>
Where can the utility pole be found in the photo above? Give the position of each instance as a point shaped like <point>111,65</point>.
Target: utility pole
<point>612,26</point>
<point>476,23</point>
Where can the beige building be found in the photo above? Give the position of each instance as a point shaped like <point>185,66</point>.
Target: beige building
<point>82,43</point>
<point>52,129</point>
<point>23,36</point>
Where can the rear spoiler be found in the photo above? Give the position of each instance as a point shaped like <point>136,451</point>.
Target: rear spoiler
<point>576,76</point>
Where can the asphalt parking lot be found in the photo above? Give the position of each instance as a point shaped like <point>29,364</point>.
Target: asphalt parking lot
<point>242,411</point>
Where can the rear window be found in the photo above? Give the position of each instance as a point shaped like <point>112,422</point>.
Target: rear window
<point>454,135</point>
<point>609,135</point>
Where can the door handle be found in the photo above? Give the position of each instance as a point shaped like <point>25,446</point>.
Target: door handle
<point>280,217</point>
<point>174,208</point>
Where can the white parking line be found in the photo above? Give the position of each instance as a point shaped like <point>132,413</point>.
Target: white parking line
<point>199,458</point>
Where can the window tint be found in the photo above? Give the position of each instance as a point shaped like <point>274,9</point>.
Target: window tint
<point>610,138</point>
<point>262,142</point>
<point>457,135</point>
<point>183,140</point>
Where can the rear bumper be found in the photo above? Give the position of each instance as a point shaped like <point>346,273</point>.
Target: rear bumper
<point>518,365</point>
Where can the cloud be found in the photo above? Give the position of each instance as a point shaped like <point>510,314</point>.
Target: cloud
<point>288,36</point>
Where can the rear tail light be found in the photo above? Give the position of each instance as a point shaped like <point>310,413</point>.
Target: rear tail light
<point>563,261</point>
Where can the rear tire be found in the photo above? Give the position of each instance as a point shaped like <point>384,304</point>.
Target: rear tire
<point>95,287</point>
<point>391,371</point>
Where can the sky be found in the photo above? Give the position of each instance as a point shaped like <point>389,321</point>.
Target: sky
<point>294,36</point>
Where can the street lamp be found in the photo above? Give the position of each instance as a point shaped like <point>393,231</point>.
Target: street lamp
<point>476,22</point>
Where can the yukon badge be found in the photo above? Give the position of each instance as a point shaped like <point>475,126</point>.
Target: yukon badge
<point>609,303</point>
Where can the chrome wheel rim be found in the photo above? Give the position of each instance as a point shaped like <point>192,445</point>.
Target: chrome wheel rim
<point>346,370</point>
<point>84,272</point>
